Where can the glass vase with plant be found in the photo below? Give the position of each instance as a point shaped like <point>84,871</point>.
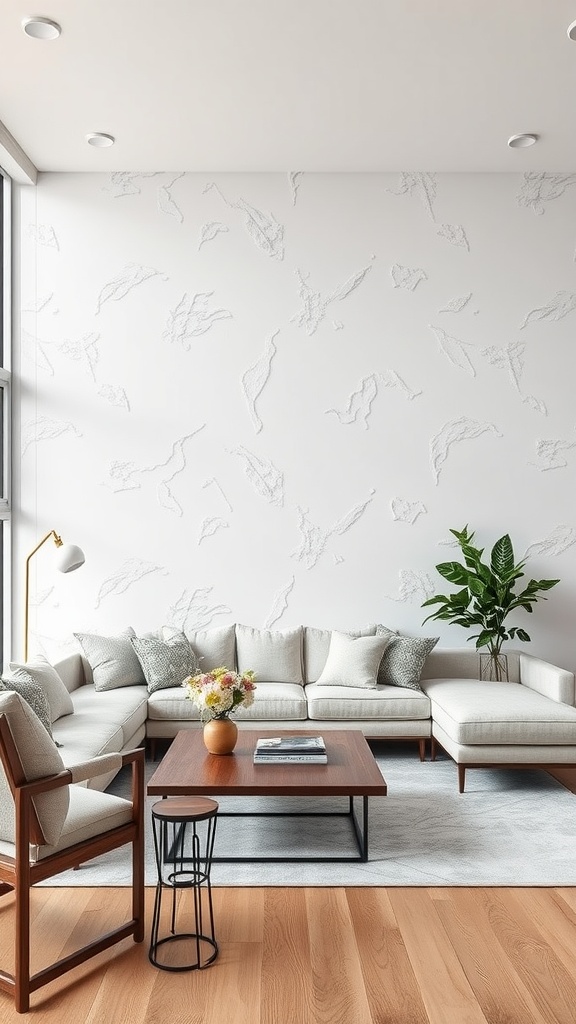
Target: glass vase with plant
<point>488,594</point>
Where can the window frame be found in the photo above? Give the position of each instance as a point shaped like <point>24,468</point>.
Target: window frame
<point>6,257</point>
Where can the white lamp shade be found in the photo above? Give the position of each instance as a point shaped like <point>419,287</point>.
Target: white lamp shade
<point>69,557</point>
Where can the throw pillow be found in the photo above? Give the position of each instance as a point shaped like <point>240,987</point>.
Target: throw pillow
<point>165,663</point>
<point>275,655</point>
<point>113,660</point>
<point>32,693</point>
<point>39,758</point>
<point>353,660</point>
<point>404,659</point>
<point>317,645</point>
<point>44,673</point>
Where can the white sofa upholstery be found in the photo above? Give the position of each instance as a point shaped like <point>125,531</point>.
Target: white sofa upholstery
<point>527,721</point>
<point>102,723</point>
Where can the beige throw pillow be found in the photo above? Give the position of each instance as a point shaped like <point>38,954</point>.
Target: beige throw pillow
<point>353,660</point>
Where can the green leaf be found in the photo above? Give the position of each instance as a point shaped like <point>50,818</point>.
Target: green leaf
<point>439,599</point>
<point>522,635</point>
<point>484,638</point>
<point>545,584</point>
<point>502,558</point>
<point>453,572</point>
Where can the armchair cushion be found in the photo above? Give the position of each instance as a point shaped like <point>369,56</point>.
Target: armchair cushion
<point>43,672</point>
<point>39,758</point>
<point>90,814</point>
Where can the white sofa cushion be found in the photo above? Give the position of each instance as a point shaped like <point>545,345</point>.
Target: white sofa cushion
<point>214,648</point>
<point>126,708</point>
<point>112,659</point>
<point>317,645</point>
<point>274,655</point>
<point>272,700</point>
<point>470,712</point>
<point>44,673</point>
<point>344,703</point>
<point>353,660</point>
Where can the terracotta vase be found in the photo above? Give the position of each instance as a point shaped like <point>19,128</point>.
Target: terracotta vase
<point>220,735</point>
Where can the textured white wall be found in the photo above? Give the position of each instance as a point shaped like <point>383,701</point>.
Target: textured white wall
<point>267,398</point>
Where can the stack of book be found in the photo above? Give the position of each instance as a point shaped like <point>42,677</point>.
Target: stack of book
<point>291,750</point>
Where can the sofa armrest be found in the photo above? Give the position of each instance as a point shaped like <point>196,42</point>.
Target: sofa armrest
<point>547,679</point>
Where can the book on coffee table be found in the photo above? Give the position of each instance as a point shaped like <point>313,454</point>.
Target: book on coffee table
<point>291,750</point>
<point>282,745</point>
<point>290,758</point>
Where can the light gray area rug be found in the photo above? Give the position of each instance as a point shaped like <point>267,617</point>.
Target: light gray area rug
<point>510,827</point>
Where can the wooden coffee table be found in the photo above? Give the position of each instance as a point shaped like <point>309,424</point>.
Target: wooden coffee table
<point>188,769</point>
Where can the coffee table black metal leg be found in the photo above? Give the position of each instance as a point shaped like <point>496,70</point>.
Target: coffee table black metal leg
<point>361,833</point>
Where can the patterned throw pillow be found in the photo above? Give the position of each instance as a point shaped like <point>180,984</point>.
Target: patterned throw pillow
<point>46,675</point>
<point>113,660</point>
<point>165,663</point>
<point>32,693</point>
<point>403,660</point>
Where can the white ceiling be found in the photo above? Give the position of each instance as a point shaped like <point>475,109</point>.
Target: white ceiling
<point>277,85</point>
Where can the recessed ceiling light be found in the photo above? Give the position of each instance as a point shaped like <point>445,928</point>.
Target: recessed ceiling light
<point>522,141</point>
<point>571,30</point>
<point>41,28</point>
<point>100,140</point>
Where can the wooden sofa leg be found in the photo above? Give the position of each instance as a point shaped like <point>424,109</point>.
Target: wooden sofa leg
<point>422,749</point>
<point>461,777</point>
<point>432,749</point>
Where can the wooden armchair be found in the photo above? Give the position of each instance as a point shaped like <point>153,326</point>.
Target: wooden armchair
<point>48,826</point>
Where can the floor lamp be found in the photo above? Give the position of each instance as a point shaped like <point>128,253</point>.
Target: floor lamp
<point>69,557</point>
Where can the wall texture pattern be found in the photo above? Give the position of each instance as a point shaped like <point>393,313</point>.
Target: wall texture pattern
<point>267,398</point>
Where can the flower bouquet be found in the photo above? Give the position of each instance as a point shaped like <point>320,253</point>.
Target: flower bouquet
<point>218,693</point>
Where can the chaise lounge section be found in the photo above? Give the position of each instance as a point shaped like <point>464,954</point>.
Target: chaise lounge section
<point>527,722</point>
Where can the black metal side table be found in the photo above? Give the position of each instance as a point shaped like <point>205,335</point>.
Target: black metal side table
<point>183,859</point>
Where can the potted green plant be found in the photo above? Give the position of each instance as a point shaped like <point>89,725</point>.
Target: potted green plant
<point>487,596</point>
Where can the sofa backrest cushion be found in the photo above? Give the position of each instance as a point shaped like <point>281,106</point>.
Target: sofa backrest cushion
<point>39,758</point>
<point>214,648</point>
<point>46,675</point>
<point>112,659</point>
<point>275,655</point>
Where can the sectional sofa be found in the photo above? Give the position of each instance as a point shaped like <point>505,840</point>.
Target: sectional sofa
<point>418,693</point>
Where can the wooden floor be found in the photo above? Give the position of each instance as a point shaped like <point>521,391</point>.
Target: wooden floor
<point>321,956</point>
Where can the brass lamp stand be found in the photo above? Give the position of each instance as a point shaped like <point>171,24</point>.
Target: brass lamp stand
<point>69,557</point>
